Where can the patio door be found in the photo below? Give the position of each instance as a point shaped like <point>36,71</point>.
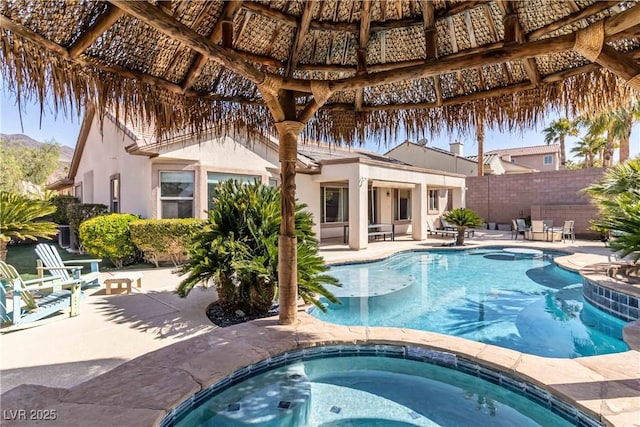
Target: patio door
<point>372,211</point>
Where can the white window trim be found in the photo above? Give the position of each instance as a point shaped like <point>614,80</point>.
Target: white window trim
<point>174,198</point>
<point>544,159</point>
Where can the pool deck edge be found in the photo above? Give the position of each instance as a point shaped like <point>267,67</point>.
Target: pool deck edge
<point>143,390</point>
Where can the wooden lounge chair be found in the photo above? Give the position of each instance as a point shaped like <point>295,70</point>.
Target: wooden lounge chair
<point>49,260</point>
<point>29,308</point>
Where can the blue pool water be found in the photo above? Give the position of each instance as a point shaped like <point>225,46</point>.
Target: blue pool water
<point>364,390</point>
<point>525,303</point>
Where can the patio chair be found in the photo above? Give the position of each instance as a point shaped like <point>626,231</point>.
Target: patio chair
<point>518,226</point>
<point>446,225</point>
<point>567,230</point>
<point>537,231</point>
<point>50,260</point>
<point>29,308</point>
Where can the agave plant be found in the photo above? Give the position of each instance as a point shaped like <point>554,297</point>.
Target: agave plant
<point>237,251</point>
<point>462,218</point>
<point>19,219</point>
<point>617,195</point>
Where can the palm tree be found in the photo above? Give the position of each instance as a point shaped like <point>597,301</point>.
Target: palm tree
<point>462,218</point>
<point>19,219</point>
<point>617,195</point>
<point>238,251</point>
<point>588,148</point>
<point>556,133</point>
<point>622,124</point>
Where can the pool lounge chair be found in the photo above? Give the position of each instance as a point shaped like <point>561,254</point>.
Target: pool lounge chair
<point>438,231</point>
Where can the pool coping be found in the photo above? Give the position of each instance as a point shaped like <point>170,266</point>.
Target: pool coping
<point>144,390</point>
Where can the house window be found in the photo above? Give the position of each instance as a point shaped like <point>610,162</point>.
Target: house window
<point>176,194</point>
<point>214,179</point>
<point>401,204</point>
<point>77,192</point>
<point>114,193</point>
<point>548,160</point>
<point>335,204</point>
<point>433,200</point>
<point>273,182</point>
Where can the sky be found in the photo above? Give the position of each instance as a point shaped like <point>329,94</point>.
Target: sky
<point>64,129</point>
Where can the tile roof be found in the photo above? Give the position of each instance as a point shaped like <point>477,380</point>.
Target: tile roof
<point>527,151</point>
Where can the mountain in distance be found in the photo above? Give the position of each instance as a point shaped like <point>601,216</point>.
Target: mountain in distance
<point>66,152</point>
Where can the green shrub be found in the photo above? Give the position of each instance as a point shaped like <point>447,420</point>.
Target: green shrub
<point>61,202</point>
<point>108,236</point>
<point>160,239</point>
<point>79,212</point>
<point>462,218</point>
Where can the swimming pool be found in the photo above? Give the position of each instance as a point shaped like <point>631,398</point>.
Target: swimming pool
<point>373,385</point>
<point>519,301</point>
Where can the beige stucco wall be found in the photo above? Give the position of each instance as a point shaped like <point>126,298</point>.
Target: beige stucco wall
<point>103,156</point>
<point>221,155</point>
<point>537,162</point>
<point>431,159</point>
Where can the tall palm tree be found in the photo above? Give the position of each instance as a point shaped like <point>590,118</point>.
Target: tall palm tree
<point>588,148</point>
<point>557,131</point>
<point>623,121</point>
<point>19,217</point>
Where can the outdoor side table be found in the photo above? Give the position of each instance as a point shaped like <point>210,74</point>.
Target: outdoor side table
<point>122,279</point>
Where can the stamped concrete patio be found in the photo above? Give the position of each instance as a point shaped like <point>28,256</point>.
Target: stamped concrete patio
<point>129,359</point>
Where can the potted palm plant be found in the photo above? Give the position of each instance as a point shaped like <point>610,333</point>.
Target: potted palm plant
<point>463,218</point>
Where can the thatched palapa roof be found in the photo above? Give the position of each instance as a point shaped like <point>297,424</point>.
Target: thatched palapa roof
<point>356,69</point>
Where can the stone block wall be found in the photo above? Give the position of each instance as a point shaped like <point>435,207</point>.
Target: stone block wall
<point>552,195</point>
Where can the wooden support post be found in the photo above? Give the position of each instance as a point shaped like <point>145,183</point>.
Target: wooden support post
<point>480,138</point>
<point>288,131</point>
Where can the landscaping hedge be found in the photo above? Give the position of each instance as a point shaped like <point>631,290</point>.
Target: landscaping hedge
<point>162,239</point>
<point>61,202</point>
<point>108,236</point>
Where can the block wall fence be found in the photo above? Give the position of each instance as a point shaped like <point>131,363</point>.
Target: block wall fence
<point>554,195</point>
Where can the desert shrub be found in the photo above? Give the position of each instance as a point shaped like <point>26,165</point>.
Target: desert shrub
<point>108,236</point>
<point>159,239</point>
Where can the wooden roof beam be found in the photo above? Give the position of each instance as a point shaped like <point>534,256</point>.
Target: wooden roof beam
<point>352,27</point>
<point>229,10</point>
<point>431,42</point>
<point>363,42</point>
<point>301,35</point>
<point>513,34</point>
<point>595,8</point>
<point>91,34</point>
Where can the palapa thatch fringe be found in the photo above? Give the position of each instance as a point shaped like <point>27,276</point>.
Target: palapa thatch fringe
<point>31,72</point>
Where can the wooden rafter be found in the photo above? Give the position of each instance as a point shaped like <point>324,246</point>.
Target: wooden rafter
<point>363,42</point>
<point>612,27</point>
<point>494,33</point>
<point>352,27</point>
<point>595,8</point>
<point>229,10</point>
<point>301,35</point>
<point>513,34</point>
<point>431,41</point>
<point>91,34</point>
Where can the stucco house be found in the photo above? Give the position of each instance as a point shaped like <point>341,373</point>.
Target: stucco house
<point>539,157</point>
<point>454,160</point>
<point>126,168</point>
